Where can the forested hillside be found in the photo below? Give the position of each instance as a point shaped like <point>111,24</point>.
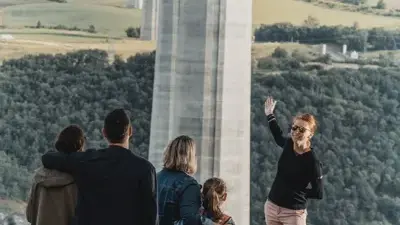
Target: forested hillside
<point>357,140</point>
<point>41,95</point>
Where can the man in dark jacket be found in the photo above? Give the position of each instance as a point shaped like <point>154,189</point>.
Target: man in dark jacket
<point>115,186</point>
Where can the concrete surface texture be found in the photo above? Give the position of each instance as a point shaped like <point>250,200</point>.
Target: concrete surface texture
<point>148,27</point>
<point>137,4</point>
<point>202,89</point>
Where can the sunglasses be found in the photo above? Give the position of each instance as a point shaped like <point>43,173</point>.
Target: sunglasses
<point>301,129</point>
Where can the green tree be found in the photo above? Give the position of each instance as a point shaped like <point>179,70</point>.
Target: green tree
<point>133,32</point>
<point>381,5</point>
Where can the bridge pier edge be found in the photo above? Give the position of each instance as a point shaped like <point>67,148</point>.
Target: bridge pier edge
<point>149,20</point>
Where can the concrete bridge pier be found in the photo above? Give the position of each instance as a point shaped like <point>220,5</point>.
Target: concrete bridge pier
<point>202,88</point>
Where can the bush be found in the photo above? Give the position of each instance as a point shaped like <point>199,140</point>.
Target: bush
<point>301,57</point>
<point>39,25</point>
<point>267,63</point>
<point>311,67</point>
<point>280,53</point>
<point>381,5</point>
<point>92,29</point>
<point>133,32</point>
<point>327,59</point>
<point>289,63</point>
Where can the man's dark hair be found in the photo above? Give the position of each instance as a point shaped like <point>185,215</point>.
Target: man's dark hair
<point>116,126</point>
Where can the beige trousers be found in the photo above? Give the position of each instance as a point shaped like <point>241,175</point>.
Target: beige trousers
<point>276,215</point>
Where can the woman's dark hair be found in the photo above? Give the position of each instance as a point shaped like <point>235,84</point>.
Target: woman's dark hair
<point>70,139</point>
<point>213,191</point>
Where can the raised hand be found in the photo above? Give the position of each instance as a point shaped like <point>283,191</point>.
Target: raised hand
<point>269,105</point>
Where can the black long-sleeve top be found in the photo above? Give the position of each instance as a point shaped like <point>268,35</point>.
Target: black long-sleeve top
<point>295,173</point>
<point>114,185</point>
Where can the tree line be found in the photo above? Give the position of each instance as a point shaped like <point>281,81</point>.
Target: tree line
<point>355,38</point>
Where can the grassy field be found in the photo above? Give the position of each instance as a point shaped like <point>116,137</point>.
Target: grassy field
<point>117,3</point>
<point>4,3</point>
<point>106,19</point>
<point>273,11</point>
<point>260,50</point>
<point>110,18</point>
<point>53,41</point>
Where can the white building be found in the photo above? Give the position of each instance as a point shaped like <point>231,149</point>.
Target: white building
<point>354,55</point>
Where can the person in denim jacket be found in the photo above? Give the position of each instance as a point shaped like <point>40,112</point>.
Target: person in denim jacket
<point>178,191</point>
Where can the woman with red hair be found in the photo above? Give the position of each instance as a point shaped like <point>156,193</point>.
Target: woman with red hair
<point>299,175</point>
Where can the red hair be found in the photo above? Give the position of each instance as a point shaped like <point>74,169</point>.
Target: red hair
<point>310,119</point>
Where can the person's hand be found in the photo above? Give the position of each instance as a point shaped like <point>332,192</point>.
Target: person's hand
<point>269,106</point>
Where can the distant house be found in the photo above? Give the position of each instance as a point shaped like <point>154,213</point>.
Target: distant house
<point>6,37</point>
<point>354,55</point>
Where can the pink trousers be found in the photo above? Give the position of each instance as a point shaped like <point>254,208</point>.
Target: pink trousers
<point>276,215</point>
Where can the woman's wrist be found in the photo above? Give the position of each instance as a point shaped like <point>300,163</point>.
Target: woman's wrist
<point>270,117</point>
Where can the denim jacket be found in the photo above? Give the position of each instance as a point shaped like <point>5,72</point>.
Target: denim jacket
<point>207,219</point>
<point>178,198</point>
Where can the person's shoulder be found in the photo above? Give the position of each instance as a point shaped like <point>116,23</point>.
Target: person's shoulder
<point>78,155</point>
<point>230,221</point>
<point>183,182</point>
<point>227,219</point>
<point>90,150</point>
<point>183,178</point>
<point>315,159</point>
<point>189,182</point>
<point>314,155</point>
<point>142,162</point>
<point>87,154</point>
<point>206,219</point>
<point>178,176</point>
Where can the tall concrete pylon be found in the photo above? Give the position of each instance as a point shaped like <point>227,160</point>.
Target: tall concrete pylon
<point>202,88</point>
<point>137,4</point>
<point>1,18</point>
<point>148,27</point>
